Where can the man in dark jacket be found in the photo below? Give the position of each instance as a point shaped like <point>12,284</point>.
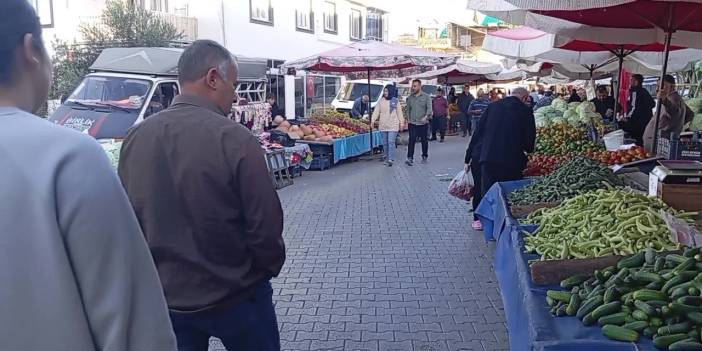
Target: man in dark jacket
<point>200,188</point>
<point>604,103</point>
<point>361,107</point>
<point>641,106</point>
<point>505,134</point>
<point>464,99</point>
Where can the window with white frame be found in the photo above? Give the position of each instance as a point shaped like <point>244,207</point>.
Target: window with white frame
<point>159,5</point>
<point>261,11</point>
<point>356,21</point>
<point>304,18</point>
<point>45,11</point>
<point>330,18</point>
<point>374,24</point>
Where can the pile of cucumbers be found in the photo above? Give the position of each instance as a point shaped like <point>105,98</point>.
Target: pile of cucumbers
<point>647,294</point>
<point>575,177</point>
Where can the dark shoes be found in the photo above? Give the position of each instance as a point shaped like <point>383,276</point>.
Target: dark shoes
<point>424,159</point>
<point>409,162</point>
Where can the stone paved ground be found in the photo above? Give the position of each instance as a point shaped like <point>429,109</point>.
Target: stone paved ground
<point>384,259</point>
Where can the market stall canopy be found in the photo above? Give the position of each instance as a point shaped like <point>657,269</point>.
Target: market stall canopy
<point>461,72</point>
<point>637,22</point>
<point>370,55</point>
<point>535,45</point>
<point>164,62</point>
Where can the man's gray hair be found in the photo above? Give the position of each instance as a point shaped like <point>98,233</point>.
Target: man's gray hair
<point>520,92</point>
<point>200,57</point>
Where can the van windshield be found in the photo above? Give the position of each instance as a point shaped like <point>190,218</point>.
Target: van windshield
<point>123,93</point>
<point>353,91</point>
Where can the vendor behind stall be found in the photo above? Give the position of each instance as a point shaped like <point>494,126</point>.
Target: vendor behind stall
<point>361,107</point>
<point>604,103</point>
<point>640,110</point>
<point>673,114</point>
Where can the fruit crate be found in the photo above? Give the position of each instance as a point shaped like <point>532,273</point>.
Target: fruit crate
<point>278,168</point>
<point>321,162</point>
<point>684,148</point>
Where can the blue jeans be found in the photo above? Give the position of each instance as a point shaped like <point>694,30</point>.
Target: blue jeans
<point>389,145</point>
<point>247,326</point>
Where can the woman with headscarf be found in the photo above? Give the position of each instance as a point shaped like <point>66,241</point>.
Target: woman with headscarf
<point>388,114</point>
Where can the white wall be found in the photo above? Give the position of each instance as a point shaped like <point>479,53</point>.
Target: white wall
<point>66,17</point>
<point>281,41</point>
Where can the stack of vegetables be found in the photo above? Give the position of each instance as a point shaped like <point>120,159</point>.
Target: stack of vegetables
<point>636,153</point>
<point>340,119</point>
<point>563,139</point>
<point>540,165</point>
<point>695,104</point>
<point>657,296</point>
<point>574,177</point>
<point>561,112</point>
<point>600,223</point>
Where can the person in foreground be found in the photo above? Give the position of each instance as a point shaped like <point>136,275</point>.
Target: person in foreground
<point>419,113</point>
<point>673,113</point>
<point>640,109</point>
<point>388,114</point>
<point>506,133</point>
<point>77,274</point>
<point>210,213</point>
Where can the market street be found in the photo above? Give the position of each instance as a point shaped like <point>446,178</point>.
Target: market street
<point>384,258</point>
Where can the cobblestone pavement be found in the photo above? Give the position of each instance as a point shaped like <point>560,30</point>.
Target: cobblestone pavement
<point>382,258</point>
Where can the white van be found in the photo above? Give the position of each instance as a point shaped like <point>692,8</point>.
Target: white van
<point>353,89</point>
<point>130,84</point>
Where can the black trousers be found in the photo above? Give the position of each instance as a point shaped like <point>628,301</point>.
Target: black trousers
<point>421,131</point>
<point>492,173</point>
<point>478,192</point>
<point>465,124</point>
<point>438,124</point>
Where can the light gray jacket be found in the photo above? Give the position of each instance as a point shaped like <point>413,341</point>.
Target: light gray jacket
<point>75,270</point>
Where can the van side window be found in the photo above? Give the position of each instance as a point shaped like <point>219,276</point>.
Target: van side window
<point>162,98</point>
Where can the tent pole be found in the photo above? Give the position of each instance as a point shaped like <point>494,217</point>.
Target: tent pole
<point>668,38</point>
<point>620,55</point>
<point>369,112</point>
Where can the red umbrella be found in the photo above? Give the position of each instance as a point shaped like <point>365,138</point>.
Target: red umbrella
<point>670,22</point>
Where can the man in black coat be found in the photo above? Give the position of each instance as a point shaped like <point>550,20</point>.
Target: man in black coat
<point>463,100</point>
<point>641,106</point>
<point>505,134</point>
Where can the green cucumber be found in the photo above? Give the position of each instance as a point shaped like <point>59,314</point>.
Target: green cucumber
<point>608,308</point>
<point>650,255</point>
<point>695,317</point>
<point>663,341</point>
<point>559,295</point>
<point>614,318</point>
<point>573,305</point>
<point>588,306</point>
<point>655,322</point>
<point>648,277</point>
<point>645,308</point>
<point>647,295</point>
<point>682,309</point>
<point>690,300</point>
<point>573,281</point>
<point>659,264</point>
<point>616,332</point>
<point>685,345</point>
<point>677,328</point>
<point>611,294</point>
<point>639,315</point>
<point>639,326</point>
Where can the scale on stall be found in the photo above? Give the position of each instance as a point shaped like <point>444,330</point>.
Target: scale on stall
<point>678,184</point>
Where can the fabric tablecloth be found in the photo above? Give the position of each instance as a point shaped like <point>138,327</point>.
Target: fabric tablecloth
<point>493,209</point>
<point>303,151</point>
<point>354,145</point>
<point>529,323</point>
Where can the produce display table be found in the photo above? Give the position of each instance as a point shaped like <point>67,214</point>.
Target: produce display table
<point>529,323</point>
<point>493,210</point>
<point>348,147</point>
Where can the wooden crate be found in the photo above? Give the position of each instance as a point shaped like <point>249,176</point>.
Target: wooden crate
<point>553,271</point>
<point>521,211</point>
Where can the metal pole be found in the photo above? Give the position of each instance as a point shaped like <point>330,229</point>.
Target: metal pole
<point>369,107</point>
<point>668,39</point>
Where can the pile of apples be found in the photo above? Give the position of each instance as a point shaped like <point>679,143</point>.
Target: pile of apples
<point>620,156</point>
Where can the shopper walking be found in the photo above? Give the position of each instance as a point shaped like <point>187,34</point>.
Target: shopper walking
<point>211,215</point>
<point>673,113</point>
<point>464,100</point>
<point>506,135</point>
<point>439,115</point>
<point>76,272</point>
<point>641,106</point>
<point>419,112</point>
<point>477,107</point>
<point>388,114</point>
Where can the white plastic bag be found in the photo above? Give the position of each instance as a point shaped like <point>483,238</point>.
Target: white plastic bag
<point>462,186</point>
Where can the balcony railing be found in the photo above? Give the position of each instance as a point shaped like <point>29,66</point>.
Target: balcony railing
<point>186,25</point>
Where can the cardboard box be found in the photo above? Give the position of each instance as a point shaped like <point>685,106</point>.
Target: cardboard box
<point>678,196</point>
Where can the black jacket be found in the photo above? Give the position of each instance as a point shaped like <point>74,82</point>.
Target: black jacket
<point>505,134</point>
<point>641,106</point>
<point>464,101</point>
